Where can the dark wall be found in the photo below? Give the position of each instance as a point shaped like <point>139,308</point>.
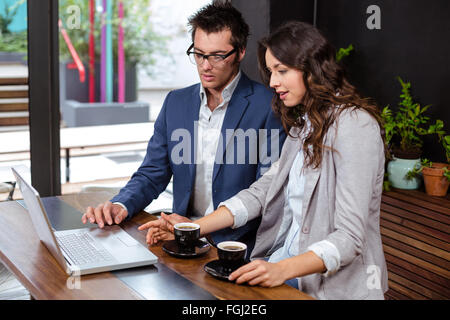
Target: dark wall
<point>263,16</point>
<point>285,10</point>
<point>256,14</point>
<point>413,43</point>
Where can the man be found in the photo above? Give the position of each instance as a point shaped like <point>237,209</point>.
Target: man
<point>192,140</point>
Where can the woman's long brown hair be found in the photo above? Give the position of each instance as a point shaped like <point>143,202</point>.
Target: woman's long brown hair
<point>301,46</point>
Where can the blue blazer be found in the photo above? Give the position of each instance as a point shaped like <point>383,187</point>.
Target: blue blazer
<point>249,108</point>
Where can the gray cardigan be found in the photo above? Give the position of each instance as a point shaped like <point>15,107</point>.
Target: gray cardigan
<point>341,204</point>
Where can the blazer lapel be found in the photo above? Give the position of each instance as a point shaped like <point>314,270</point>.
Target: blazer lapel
<point>292,147</point>
<point>311,179</point>
<point>235,110</point>
<point>191,121</point>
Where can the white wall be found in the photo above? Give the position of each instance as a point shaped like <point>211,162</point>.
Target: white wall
<point>170,18</point>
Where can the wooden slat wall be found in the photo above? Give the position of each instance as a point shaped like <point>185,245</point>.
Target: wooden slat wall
<point>13,95</point>
<point>13,81</point>
<point>17,120</point>
<point>415,230</point>
<point>13,106</point>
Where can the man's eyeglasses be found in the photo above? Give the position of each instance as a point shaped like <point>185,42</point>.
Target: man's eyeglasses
<point>213,59</point>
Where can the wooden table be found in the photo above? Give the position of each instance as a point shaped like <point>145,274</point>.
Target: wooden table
<point>30,261</point>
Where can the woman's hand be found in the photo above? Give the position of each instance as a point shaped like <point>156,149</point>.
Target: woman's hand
<point>259,272</point>
<point>162,229</point>
<point>268,274</point>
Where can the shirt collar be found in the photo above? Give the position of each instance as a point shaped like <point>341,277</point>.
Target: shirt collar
<point>227,92</point>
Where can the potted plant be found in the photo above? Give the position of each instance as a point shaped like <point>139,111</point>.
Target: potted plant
<point>404,131</point>
<point>436,176</point>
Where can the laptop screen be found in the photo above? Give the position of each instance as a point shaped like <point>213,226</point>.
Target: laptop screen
<point>40,219</point>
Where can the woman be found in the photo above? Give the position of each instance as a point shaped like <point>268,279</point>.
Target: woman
<point>320,203</point>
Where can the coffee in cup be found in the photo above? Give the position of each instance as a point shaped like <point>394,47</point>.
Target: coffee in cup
<point>186,235</point>
<point>231,255</point>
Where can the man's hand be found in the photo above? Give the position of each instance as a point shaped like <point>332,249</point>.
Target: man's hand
<point>105,213</point>
<point>162,229</point>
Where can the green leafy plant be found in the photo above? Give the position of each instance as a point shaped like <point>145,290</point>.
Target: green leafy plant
<point>14,42</point>
<point>343,52</point>
<point>408,124</point>
<point>11,41</point>
<point>388,124</point>
<point>446,144</point>
<point>438,129</point>
<point>386,183</point>
<point>417,170</point>
<point>140,41</point>
<point>7,18</point>
<point>404,129</point>
<point>447,173</point>
<point>445,140</point>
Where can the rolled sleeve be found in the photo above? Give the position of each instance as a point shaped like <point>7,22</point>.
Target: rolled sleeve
<point>328,252</point>
<point>238,210</point>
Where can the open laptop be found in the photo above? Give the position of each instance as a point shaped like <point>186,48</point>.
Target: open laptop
<point>87,250</point>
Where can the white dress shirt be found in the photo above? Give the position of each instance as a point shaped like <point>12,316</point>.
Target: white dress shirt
<point>208,135</point>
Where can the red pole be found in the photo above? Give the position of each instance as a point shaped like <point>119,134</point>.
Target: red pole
<point>121,58</point>
<point>73,52</point>
<point>92,52</point>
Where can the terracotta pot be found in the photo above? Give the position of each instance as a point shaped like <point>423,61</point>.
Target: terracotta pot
<point>435,182</point>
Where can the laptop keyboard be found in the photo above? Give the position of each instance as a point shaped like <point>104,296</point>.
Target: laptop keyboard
<point>83,249</point>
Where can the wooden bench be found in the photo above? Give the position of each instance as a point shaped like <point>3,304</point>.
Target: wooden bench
<point>415,230</point>
<point>13,102</point>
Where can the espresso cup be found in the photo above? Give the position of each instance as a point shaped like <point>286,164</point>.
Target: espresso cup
<point>186,236</point>
<point>231,255</point>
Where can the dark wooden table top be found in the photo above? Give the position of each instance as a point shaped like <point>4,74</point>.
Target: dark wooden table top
<point>23,254</point>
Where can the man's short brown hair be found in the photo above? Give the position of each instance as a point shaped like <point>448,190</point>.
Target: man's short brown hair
<point>218,17</point>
